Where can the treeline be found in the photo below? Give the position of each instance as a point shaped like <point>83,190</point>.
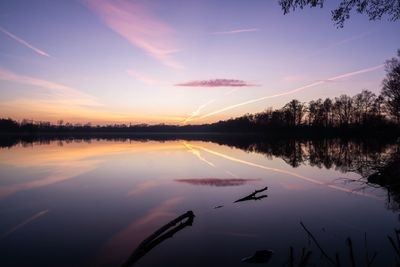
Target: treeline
<point>364,112</point>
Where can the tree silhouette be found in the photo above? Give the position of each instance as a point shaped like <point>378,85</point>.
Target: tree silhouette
<point>294,112</point>
<point>374,9</point>
<point>363,106</point>
<point>391,87</point>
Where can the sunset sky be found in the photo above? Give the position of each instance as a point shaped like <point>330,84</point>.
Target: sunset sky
<point>179,61</point>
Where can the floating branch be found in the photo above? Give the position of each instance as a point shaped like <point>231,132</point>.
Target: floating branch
<point>165,232</point>
<point>253,196</point>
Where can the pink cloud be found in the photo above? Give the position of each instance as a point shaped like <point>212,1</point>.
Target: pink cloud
<point>216,83</point>
<point>25,43</point>
<point>133,22</point>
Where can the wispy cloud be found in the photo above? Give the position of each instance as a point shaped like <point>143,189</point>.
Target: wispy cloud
<point>216,83</point>
<point>56,90</point>
<point>298,89</point>
<point>144,78</point>
<point>136,24</point>
<point>293,78</point>
<point>23,42</point>
<point>234,31</point>
<point>337,43</point>
<point>52,101</point>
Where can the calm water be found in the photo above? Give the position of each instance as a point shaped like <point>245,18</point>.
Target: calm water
<point>91,203</point>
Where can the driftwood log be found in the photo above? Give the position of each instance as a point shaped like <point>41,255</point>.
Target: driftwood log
<point>165,232</point>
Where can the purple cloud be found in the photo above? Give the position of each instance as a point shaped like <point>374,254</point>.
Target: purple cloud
<point>216,83</point>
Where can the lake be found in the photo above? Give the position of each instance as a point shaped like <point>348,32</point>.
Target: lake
<point>91,202</point>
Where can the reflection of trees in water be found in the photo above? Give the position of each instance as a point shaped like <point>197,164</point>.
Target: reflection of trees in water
<point>362,157</point>
<point>388,176</point>
<point>376,160</point>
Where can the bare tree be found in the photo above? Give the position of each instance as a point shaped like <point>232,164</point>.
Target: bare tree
<point>363,105</point>
<point>343,109</point>
<point>294,111</point>
<point>391,87</point>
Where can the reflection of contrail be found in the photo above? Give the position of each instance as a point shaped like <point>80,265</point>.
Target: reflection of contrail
<point>197,154</point>
<point>200,157</point>
<point>34,217</point>
<point>255,164</point>
<point>281,171</point>
<point>345,75</point>
<point>232,174</point>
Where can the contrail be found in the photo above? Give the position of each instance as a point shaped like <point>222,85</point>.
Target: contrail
<point>237,31</point>
<point>338,43</point>
<point>302,177</point>
<point>334,78</point>
<point>23,42</point>
<point>198,110</point>
<point>34,217</point>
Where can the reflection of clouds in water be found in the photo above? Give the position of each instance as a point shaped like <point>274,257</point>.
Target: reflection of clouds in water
<point>67,162</point>
<point>217,181</point>
<point>126,240</point>
<point>58,174</point>
<point>144,186</point>
<point>22,224</point>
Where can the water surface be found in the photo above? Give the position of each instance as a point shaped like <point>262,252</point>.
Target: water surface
<point>91,202</point>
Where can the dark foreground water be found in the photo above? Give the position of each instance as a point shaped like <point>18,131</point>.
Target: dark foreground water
<point>90,203</point>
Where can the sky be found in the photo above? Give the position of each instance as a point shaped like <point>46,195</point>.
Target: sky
<point>179,61</point>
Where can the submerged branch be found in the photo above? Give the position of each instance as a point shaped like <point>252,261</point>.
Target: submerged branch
<point>159,236</point>
<point>253,196</point>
